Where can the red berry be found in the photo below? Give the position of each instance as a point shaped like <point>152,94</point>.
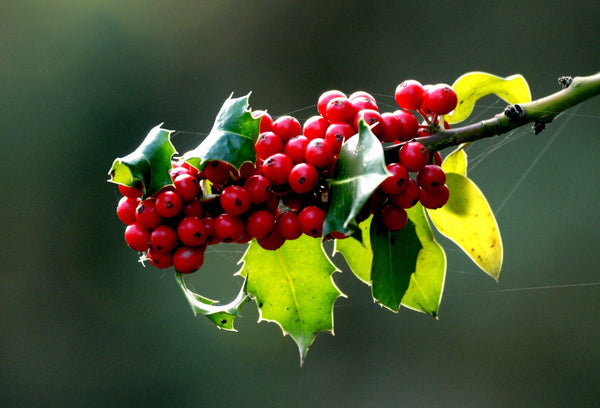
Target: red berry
<point>266,121</point>
<point>209,230</point>
<point>361,94</point>
<point>363,102</point>
<point>229,228</point>
<point>434,199</point>
<point>286,127</point>
<point>414,156</point>
<point>372,118</point>
<point>163,238</point>
<point>268,143</point>
<point>311,221</point>
<point>288,226</point>
<point>410,125</point>
<point>337,133</point>
<point>193,207</point>
<point>397,182</point>
<point>247,170</point>
<point>303,178</point>
<point>437,157</point>
<point>217,171</point>
<point>186,186</point>
<point>340,110</point>
<point>260,223</point>
<point>159,259</point>
<point>271,242</point>
<point>394,218</point>
<point>235,200</point>
<point>133,192</point>
<point>137,237</point>
<point>325,98</point>
<point>431,178</point>
<point>188,260</point>
<point>410,94</point>
<point>440,99</point>
<point>295,148</point>
<point>409,197</point>
<point>146,215</point>
<point>168,204</point>
<point>320,153</point>
<point>126,209</point>
<point>259,188</point>
<point>392,127</point>
<point>315,127</point>
<point>191,231</point>
<point>277,167</point>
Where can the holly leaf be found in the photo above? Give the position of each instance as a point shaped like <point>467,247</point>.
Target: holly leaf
<point>474,85</point>
<point>468,221</point>
<point>358,255</point>
<point>149,164</point>
<point>293,287</point>
<point>395,255</point>
<point>221,315</point>
<point>426,287</point>
<point>231,138</point>
<point>359,170</point>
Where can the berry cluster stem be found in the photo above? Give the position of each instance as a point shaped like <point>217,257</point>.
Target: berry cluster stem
<point>539,112</point>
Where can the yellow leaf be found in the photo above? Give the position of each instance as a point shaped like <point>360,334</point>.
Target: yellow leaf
<point>468,221</point>
<point>456,162</point>
<point>474,85</point>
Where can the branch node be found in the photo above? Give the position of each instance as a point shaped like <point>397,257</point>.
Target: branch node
<point>538,127</point>
<point>565,81</point>
<point>516,113</point>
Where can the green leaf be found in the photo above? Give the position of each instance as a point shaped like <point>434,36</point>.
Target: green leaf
<point>468,220</point>
<point>456,161</point>
<point>474,85</point>
<point>395,255</point>
<point>232,137</point>
<point>149,164</point>
<point>359,170</point>
<point>426,287</point>
<point>358,256</point>
<point>293,287</point>
<point>221,315</point>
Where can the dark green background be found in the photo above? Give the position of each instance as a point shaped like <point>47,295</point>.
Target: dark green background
<point>83,324</point>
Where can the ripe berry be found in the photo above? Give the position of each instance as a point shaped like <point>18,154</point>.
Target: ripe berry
<point>311,221</point>
<point>325,98</point>
<point>397,182</point>
<point>440,99</point>
<point>186,186</point>
<point>320,153</point>
<point>260,223</point>
<point>193,207</point>
<point>434,199</point>
<point>363,102</point>
<point>163,238</point>
<point>286,127</point>
<point>315,127</point>
<point>160,260</point>
<point>392,127</point>
<point>188,260</point>
<point>271,242</point>
<point>414,156</point>
<point>410,94</point>
<point>410,125</point>
<point>431,178</point>
<point>259,188</point>
<point>133,192</point>
<point>394,218</point>
<point>146,215</point>
<point>229,228</point>
<point>266,121</point>
<point>360,94</point>
<point>126,209</point>
<point>168,204</point>
<point>303,178</point>
<point>372,118</point>
<point>209,230</point>
<point>217,171</point>
<point>295,148</point>
<point>235,200</point>
<point>137,237</point>
<point>337,133</point>
<point>437,157</point>
<point>268,143</point>
<point>288,226</point>
<point>340,110</point>
<point>277,167</point>
<point>191,231</point>
<point>409,197</point>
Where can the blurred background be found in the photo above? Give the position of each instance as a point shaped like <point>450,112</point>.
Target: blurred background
<point>82,323</point>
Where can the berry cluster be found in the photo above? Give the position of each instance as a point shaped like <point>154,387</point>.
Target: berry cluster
<point>284,194</point>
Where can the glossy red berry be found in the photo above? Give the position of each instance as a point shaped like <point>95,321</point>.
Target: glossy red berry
<point>288,226</point>
<point>266,121</point>
<point>340,110</point>
<point>259,188</point>
<point>163,238</point>
<point>408,197</point>
<point>188,260</point>
<point>160,260</point>
<point>229,228</point>
<point>271,242</point>
<point>325,98</point>
<point>414,156</point>
<point>435,198</point>
<point>303,178</point>
<point>410,94</point>
<point>315,127</point>
<point>268,143</point>
<point>209,230</point>
<point>372,119</point>
<point>168,204</point>
<point>363,102</point>
<point>439,99</point>
<point>393,217</point>
<point>431,178</point>
<point>187,186</point>
<point>191,231</point>
<point>126,209</point>
<point>193,207</point>
<point>146,215</point>
<point>286,127</point>
<point>235,200</point>
<point>397,182</point>
<point>133,192</point>
<point>276,168</point>
<point>410,125</point>
<point>320,153</point>
<point>137,237</point>
<point>295,148</point>
<point>437,157</point>
<point>217,172</point>
<point>337,133</point>
<point>260,223</point>
<point>311,221</point>
<point>392,127</point>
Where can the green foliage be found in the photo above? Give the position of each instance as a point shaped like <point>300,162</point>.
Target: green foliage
<point>149,164</point>
<point>358,255</point>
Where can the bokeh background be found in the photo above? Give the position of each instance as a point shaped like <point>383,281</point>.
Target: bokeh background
<point>82,323</point>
